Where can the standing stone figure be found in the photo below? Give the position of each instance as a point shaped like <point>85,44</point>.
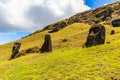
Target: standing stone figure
<point>96,35</point>
<point>47,46</point>
<point>15,50</point>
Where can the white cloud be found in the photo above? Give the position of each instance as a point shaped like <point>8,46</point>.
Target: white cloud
<point>105,4</point>
<point>22,14</point>
<point>14,13</point>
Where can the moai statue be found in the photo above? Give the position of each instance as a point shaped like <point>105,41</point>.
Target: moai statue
<point>15,50</point>
<point>47,46</point>
<point>96,35</point>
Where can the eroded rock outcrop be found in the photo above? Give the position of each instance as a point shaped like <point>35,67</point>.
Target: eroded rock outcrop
<point>58,26</point>
<point>104,14</point>
<point>96,35</point>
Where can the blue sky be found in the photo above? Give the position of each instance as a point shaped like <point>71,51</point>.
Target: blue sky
<point>97,3</point>
<point>8,37</point>
<point>19,18</point>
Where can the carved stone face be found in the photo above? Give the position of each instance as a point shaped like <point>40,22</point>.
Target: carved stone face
<point>15,50</point>
<point>93,31</point>
<point>96,35</point>
<point>16,47</point>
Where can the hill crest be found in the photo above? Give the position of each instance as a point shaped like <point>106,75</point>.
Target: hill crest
<point>98,14</point>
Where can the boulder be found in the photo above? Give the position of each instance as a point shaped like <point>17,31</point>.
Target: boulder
<point>112,32</point>
<point>15,50</point>
<point>64,40</point>
<point>116,23</point>
<point>47,46</point>
<point>96,35</point>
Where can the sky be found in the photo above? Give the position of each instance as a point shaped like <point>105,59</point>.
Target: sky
<point>19,18</point>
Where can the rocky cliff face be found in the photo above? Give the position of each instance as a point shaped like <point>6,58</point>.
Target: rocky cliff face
<point>104,14</point>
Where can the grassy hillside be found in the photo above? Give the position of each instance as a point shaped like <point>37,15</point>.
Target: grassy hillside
<point>75,34</point>
<point>96,63</point>
<point>68,61</point>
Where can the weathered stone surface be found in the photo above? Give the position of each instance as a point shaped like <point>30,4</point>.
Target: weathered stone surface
<point>116,23</point>
<point>86,17</point>
<point>118,13</point>
<point>96,35</point>
<point>117,7</point>
<point>104,14</point>
<point>46,27</point>
<point>15,50</point>
<point>47,46</point>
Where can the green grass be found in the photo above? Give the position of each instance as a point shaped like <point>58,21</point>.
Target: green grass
<point>93,63</point>
<point>68,61</point>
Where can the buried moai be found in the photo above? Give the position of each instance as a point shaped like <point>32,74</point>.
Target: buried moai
<point>96,35</point>
<point>47,46</point>
<point>15,50</point>
<point>116,23</point>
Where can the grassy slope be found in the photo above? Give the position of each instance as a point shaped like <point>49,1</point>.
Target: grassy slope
<point>67,61</point>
